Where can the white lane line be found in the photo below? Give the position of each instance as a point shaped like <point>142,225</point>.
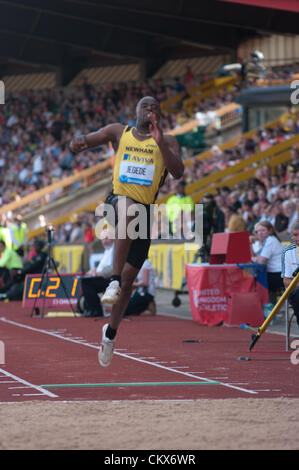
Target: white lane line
<point>42,391</point>
<point>23,386</point>
<point>176,368</point>
<point>32,394</point>
<point>154,364</point>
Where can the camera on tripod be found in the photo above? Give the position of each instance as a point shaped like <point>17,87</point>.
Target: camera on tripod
<point>49,232</point>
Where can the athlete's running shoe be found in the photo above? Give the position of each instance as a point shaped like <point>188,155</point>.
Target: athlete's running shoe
<point>111,294</point>
<point>106,348</point>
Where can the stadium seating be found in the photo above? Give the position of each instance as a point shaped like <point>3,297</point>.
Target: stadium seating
<point>73,181</point>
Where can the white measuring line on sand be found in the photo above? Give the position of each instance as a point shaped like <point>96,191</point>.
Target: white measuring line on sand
<point>28,384</point>
<point>127,356</point>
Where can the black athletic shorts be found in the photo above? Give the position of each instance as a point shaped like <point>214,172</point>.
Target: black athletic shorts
<point>139,248</point>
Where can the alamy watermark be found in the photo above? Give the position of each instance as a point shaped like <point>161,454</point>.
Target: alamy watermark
<point>2,353</point>
<point>156,221</point>
<point>295,94</point>
<point>2,92</point>
<point>295,354</point>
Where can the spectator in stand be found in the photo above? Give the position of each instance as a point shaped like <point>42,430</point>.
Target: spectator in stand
<point>262,196</point>
<point>290,262</point>
<point>234,199</point>
<point>290,176</point>
<point>143,298</point>
<point>88,233</point>
<point>97,279</point>
<point>225,192</point>
<point>188,78</point>
<point>254,220</point>
<point>252,195</point>
<point>295,155</point>
<point>220,201</point>
<point>289,120</point>
<point>235,220</point>
<point>214,212</point>
<point>274,185</point>
<point>263,204</point>
<point>248,214</point>
<point>280,220</point>
<point>281,192</point>
<point>66,233</point>
<point>269,253</point>
<point>290,211</point>
<point>77,234</point>
<point>292,191</point>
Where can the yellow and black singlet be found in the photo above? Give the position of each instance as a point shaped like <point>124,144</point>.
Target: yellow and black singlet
<point>139,168</point>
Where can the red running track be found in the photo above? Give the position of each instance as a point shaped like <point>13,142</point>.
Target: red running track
<point>161,351</point>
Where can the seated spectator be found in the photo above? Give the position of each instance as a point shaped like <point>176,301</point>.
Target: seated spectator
<point>248,215</point>
<point>144,296</point>
<point>290,262</point>
<point>77,233</point>
<point>97,279</point>
<point>88,233</point>
<point>66,233</point>
<point>289,119</point>
<point>274,184</point>
<point>262,196</point>
<point>252,195</point>
<point>269,254</point>
<point>235,220</point>
<point>295,155</point>
<point>291,191</point>
<point>234,199</point>
<point>214,213</point>
<point>213,222</point>
<point>281,221</point>
<point>225,192</point>
<point>188,78</point>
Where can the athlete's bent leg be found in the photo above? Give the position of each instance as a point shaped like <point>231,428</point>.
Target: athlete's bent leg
<point>129,275</point>
<point>122,247</point>
<point>109,330</point>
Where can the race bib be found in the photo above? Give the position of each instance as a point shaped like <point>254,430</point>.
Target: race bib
<point>136,173</point>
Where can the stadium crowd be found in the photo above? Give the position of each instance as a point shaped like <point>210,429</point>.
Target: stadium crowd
<point>273,195</point>
<point>36,128</point>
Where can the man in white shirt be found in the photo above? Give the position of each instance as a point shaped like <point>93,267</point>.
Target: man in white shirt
<point>144,296</point>
<point>270,255</point>
<point>289,263</point>
<point>97,279</point>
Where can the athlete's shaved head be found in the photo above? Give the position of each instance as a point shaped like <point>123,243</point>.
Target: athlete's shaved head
<point>144,107</point>
<point>147,99</point>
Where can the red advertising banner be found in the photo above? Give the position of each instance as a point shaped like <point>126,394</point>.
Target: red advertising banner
<point>211,288</point>
<point>288,5</point>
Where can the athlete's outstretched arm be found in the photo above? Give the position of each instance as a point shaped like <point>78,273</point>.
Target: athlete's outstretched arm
<point>110,133</point>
